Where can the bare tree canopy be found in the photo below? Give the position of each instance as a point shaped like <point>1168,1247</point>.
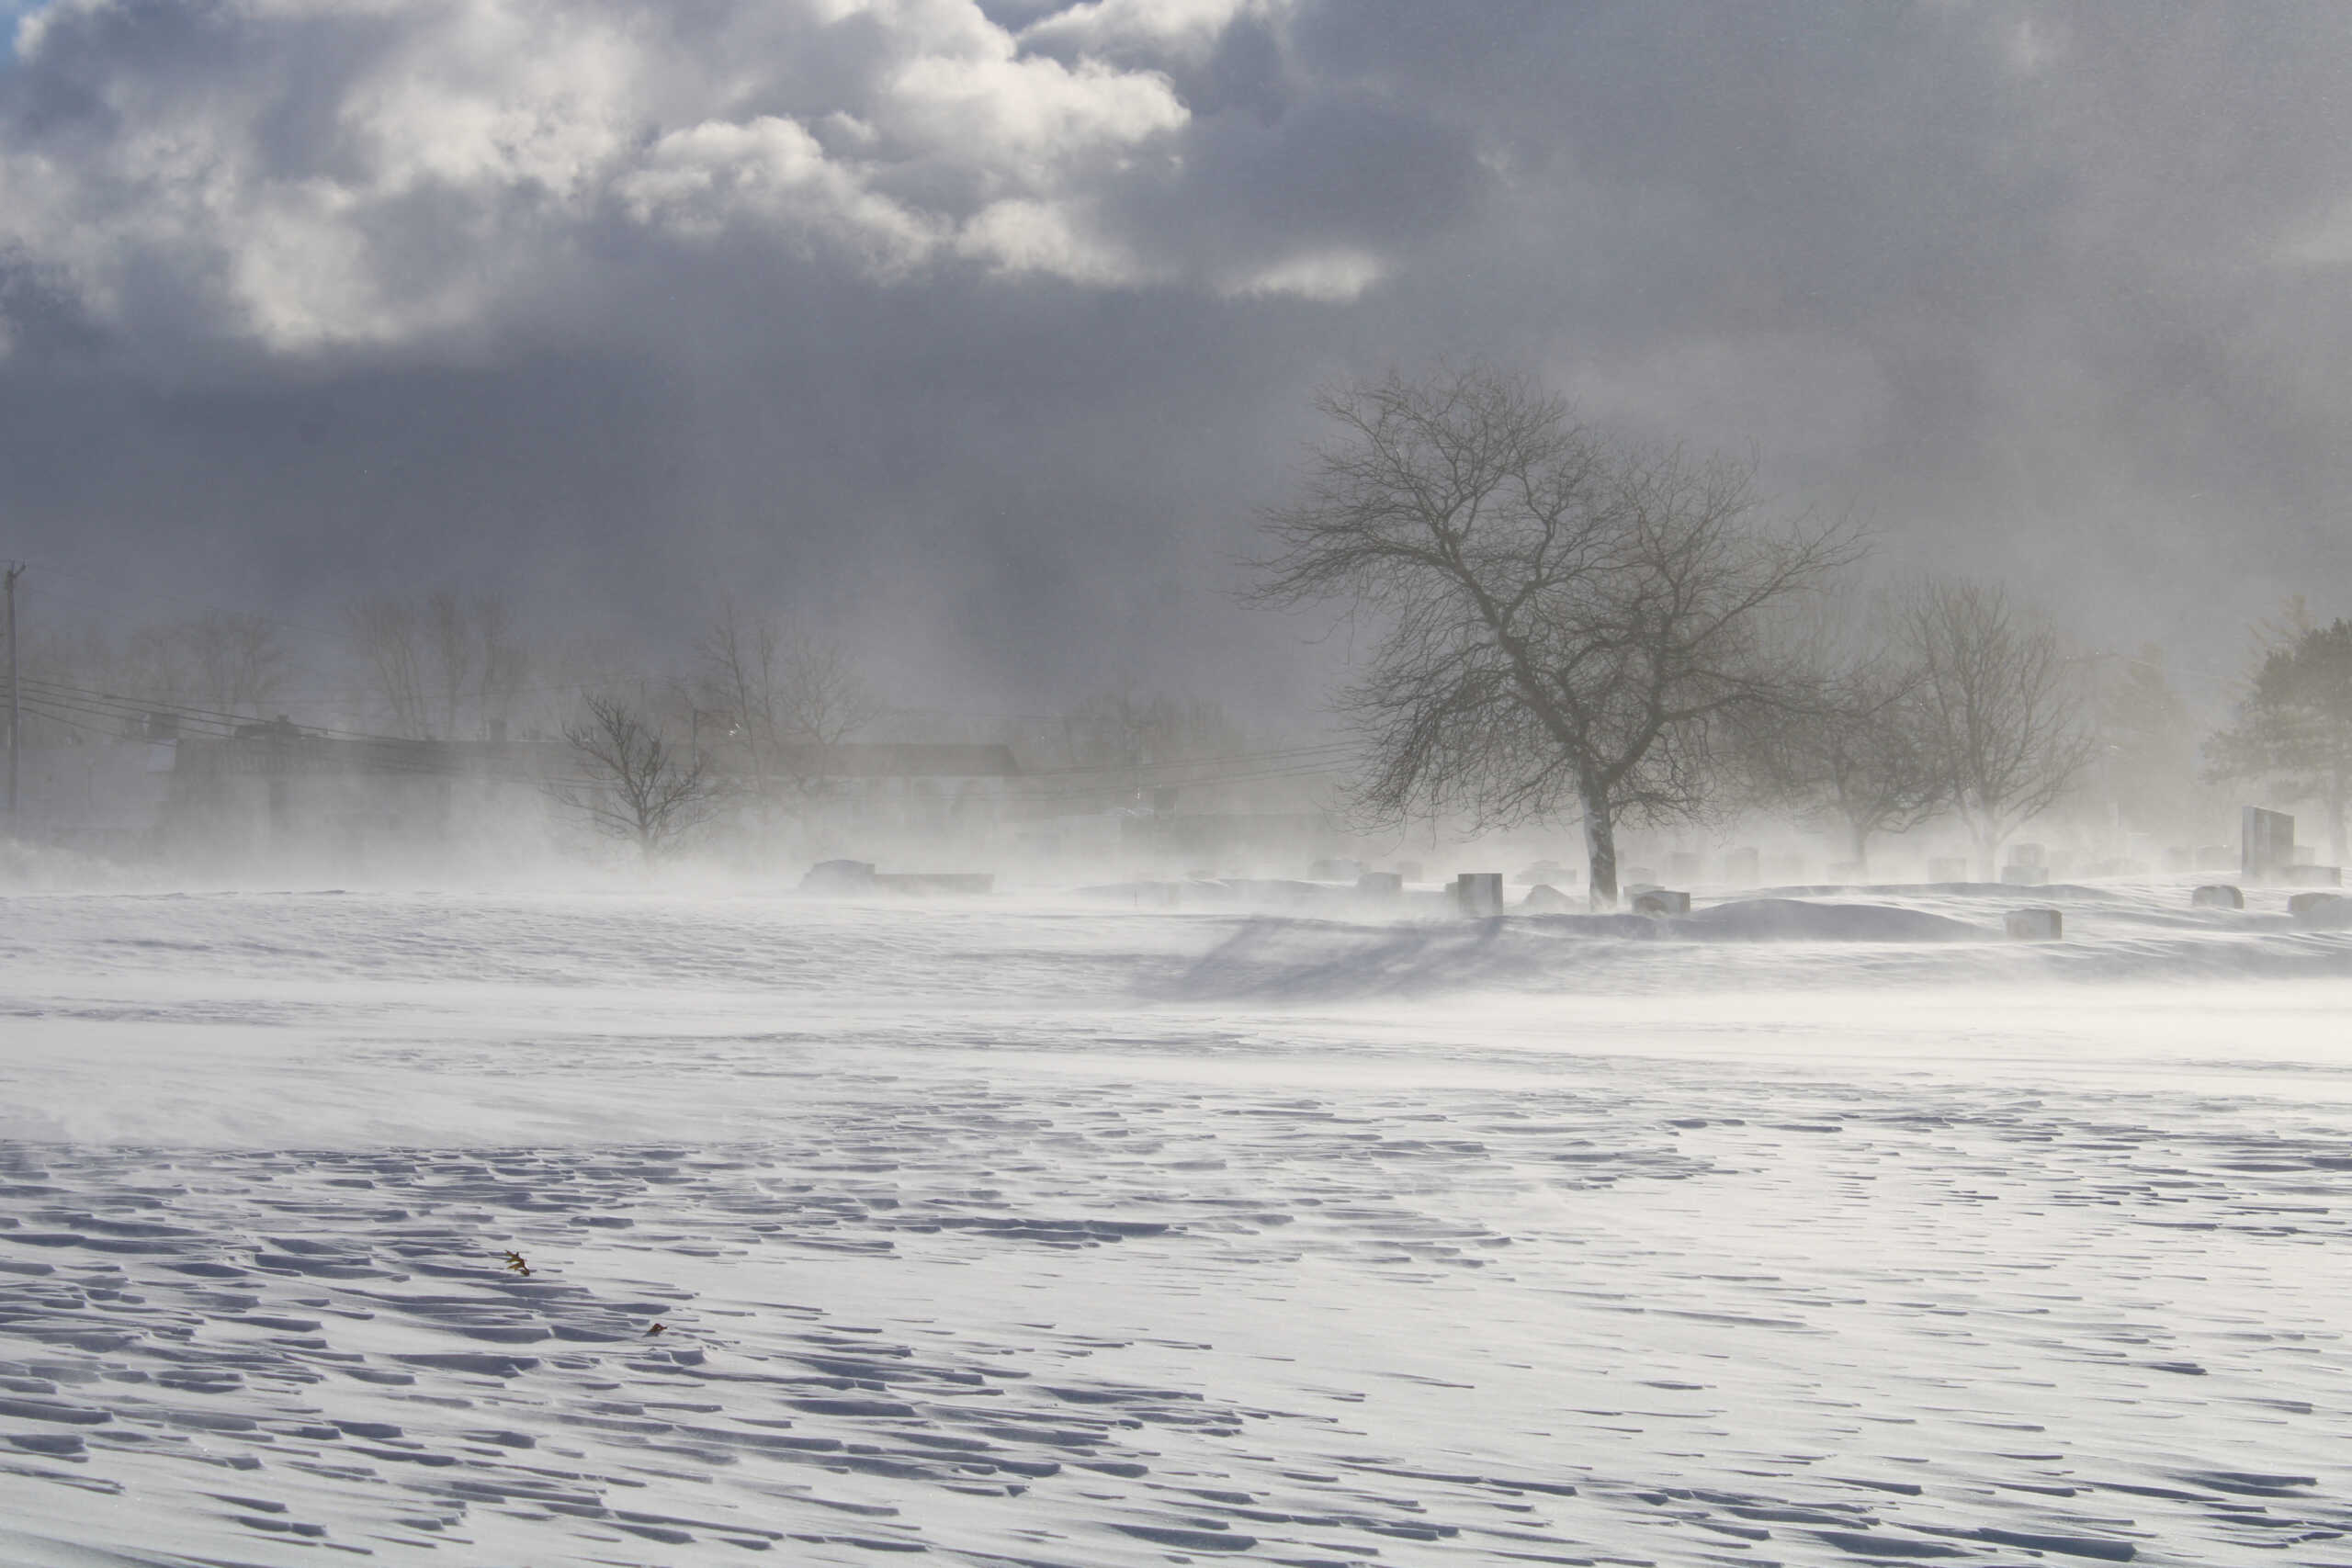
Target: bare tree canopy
<point>638,786</point>
<point>2294,727</point>
<point>2004,703</point>
<point>1861,750</point>
<point>1566,622</point>
<point>792,696</point>
<point>220,666</point>
<point>438,667</point>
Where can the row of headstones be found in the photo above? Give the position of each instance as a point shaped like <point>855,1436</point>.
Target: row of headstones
<point>1480,894</point>
<point>2227,896</point>
<point>2267,851</point>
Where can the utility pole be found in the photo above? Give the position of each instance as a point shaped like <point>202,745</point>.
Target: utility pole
<point>16,704</point>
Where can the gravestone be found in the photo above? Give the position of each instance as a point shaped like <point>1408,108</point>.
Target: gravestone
<point>2266,842</point>
<point>1411,869</point>
<point>2307,875</point>
<point>2029,854</point>
<point>1335,871</point>
<point>1480,894</point>
<point>2331,907</point>
<point>1681,866</point>
<point>2034,925</point>
<point>1742,867</point>
<point>2024,875</point>
<point>1948,868</point>
<point>1545,899</point>
<point>1661,901</point>
<point>1380,883</point>
<point>1637,876</point>
<point>1542,871</point>
<point>2217,896</point>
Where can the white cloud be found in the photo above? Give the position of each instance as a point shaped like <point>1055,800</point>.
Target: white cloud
<point>1025,117</point>
<point>1326,277</point>
<point>702,181</point>
<point>1037,237</point>
<point>1187,29</point>
<point>441,156</point>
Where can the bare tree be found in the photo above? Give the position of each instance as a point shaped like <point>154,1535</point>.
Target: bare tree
<point>796,696</point>
<point>2002,702</point>
<point>449,643</point>
<point>505,665</point>
<point>740,654</point>
<point>1859,749</point>
<point>387,638</point>
<point>821,700</point>
<point>440,666</point>
<point>638,786</point>
<point>236,663</point>
<point>1566,622</point>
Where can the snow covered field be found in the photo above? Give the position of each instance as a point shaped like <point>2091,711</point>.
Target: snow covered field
<point>1053,1234</point>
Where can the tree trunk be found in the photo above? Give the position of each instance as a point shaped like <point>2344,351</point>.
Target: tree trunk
<point>1988,853</point>
<point>1600,850</point>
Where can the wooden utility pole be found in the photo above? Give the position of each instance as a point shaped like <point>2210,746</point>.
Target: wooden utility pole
<point>16,704</point>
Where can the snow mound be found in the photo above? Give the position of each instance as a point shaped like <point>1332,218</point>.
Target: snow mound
<point>1794,920</point>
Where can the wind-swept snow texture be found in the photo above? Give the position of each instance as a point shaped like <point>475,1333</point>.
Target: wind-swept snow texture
<point>1794,1232</point>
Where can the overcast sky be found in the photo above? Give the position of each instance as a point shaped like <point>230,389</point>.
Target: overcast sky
<point>980,330</point>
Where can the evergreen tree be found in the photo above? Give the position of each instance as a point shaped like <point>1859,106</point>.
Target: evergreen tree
<point>2294,727</point>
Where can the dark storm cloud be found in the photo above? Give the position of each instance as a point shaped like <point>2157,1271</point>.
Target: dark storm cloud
<point>982,332</point>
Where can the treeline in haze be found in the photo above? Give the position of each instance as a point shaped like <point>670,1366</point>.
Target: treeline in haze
<point>1567,630</point>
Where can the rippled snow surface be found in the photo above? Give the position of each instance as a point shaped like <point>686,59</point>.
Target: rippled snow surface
<point>1061,1236</point>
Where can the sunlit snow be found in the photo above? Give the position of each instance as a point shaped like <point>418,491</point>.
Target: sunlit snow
<point>1056,1233</point>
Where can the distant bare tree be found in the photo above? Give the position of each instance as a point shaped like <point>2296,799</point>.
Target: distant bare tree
<point>236,664</point>
<point>1859,750</point>
<point>505,665</point>
<point>638,786</point>
<point>440,666</point>
<point>740,654</point>
<point>211,671</point>
<point>449,644</point>
<point>2002,702</point>
<point>1566,622</point>
<point>821,700</point>
<point>794,697</point>
<point>388,640</point>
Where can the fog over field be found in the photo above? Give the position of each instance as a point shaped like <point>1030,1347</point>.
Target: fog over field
<point>1169,781</point>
